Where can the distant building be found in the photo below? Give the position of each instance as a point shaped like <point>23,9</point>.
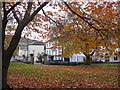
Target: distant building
<point>35,48</point>
<point>23,48</point>
<point>55,55</point>
<point>52,54</point>
<point>27,47</point>
<point>107,57</point>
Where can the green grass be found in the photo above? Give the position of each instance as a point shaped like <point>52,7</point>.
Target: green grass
<point>13,64</point>
<point>18,68</point>
<point>105,64</point>
<point>18,64</point>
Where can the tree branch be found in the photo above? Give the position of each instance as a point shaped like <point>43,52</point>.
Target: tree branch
<point>27,14</point>
<point>89,23</point>
<point>14,13</point>
<point>30,18</point>
<point>92,53</point>
<point>4,23</point>
<point>85,54</point>
<point>48,16</point>
<point>13,7</point>
<point>16,17</point>
<point>15,40</point>
<point>89,16</point>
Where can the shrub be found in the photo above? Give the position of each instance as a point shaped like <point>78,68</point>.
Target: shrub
<point>64,63</point>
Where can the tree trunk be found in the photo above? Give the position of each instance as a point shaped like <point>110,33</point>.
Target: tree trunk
<point>88,60</point>
<point>4,77</point>
<point>5,65</point>
<point>6,55</point>
<point>0,46</point>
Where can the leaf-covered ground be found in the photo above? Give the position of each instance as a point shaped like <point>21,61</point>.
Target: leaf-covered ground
<point>49,76</point>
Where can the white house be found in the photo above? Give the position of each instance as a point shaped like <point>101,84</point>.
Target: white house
<point>108,57</point>
<point>56,55</point>
<point>35,48</point>
<point>23,48</point>
<point>27,47</point>
<point>77,58</point>
<point>52,54</point>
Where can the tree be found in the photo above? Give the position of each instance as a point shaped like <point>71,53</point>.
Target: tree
<point>7,42</point>
<point>87,30</point>
<point>0,48</point>
<point>11,11</point>
<point>23,16</point>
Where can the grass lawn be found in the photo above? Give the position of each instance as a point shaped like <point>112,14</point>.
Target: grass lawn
<point>107,64</point>
<point>22,75</point>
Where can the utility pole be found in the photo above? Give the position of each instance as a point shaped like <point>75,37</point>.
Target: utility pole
<point>0,47</point>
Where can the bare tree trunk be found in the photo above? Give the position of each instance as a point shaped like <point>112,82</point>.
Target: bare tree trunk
<point>88,60</point>
<point>6,56</point>
<point>4,77</point>
<point>5,65</point>
<point>0,47</point>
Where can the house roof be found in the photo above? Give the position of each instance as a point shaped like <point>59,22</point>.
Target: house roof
<point>51,40</point>
<point>24,41</point>
<point>37,43</point>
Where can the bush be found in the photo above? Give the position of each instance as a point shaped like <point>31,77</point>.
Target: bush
<point>27,62</point>
<point>64,63</point>
<point>96,61</point>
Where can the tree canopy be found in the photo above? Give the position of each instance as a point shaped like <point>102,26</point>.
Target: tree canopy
<point>86,27</point>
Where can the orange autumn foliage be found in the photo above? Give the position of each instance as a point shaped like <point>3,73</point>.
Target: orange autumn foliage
<point>86,27</point>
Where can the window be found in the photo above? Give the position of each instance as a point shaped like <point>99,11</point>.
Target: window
<point>33,51</point>
<point>49,44</point>
<point>55,52</point>
<point>50,52</point>
<point>58,52</point>
<point>23,48</point>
